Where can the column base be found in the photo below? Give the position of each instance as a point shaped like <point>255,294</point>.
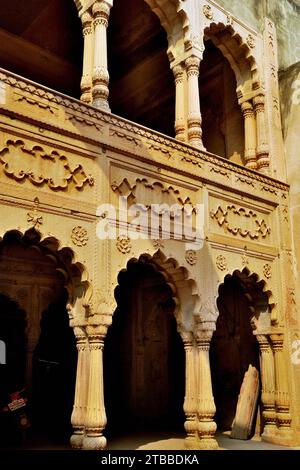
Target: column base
<point>76,440</point>
<point>281,437</point>
<point>94,443</point>
<point>101,104</point>
<point>191,443</point>
<point>207,444</point>
<point>198,144</point>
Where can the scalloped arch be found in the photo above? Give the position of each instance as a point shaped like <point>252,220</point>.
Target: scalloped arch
<point>65,257</point>
<point>177,278</point>
<point>173,19</point>
<point>236,51</point>
<point>259,290</point>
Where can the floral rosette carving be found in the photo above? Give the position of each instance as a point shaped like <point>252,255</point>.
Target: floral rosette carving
<point>79,236</point>
<point>221,263</point>
<point>191,257</point>
<point>267,271</point>
<point>124,245</point>
<point>250,41</point>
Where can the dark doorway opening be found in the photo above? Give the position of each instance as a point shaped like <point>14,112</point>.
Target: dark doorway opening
<point>233,349</point>
<point>142,86</point>
<point>41,348</point>
<point>222,120</point>
<point>54,373</point>
<point>144,356</point>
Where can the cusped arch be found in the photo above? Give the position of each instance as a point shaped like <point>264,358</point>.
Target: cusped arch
<point>73,271</point>
<point>183,287</point>
<point>238,53</point>
<point>174,20</point>
<point>259,296</point>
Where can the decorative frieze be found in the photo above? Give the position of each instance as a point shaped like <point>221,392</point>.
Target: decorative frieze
<point>41,167</point>
<point>227,219</point>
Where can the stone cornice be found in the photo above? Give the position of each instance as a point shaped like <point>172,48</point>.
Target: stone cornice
<point>96,117</point>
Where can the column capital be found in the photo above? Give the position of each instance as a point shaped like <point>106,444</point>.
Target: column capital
<point>247,109</point>
<point>192,65</point>
<point>264,342</point>
<point>80,333</point>
<point>87,22</point>
<point>186,336</point>
<point>259,103</point>
<point>178,73</point>
<point>101,11</point>
<point>203,333</point>
<point>277,341</point>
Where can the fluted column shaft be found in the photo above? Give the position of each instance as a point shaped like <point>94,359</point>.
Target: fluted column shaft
<point>87,70</point>
<point>194,112</point>
<point>282,399</point>
<point>190,399</point>
<point>268,386</point>
<point>206,406</point>
<point>262,153</point>
<point>96,416</point>
<point>81,389</point>
<point>180,124</point>
<point>250,135</point>
<point>101,11</point>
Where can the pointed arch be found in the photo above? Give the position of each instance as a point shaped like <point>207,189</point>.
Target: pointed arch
<point>174,20</point>
<point>238,53</point>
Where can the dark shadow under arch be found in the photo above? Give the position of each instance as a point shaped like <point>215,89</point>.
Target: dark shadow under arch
<point>142,87</point>
<point>234,346</point>
<point>42,41</point>
<point>222,120</point>
<point>48,379</point>
<point>143,356</point>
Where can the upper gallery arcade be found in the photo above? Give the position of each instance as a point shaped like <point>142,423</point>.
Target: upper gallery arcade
<point>152,62</point>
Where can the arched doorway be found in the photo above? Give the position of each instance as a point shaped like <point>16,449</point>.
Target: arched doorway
<point>142,86</point>
<point>234,346</point>
<point>41,347</point>
<point>144,356</point>
<point>54,372</point>
<point>222,119</point>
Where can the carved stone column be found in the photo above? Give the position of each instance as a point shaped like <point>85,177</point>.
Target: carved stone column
<point>100,10</point>
<point>190,399</point>
<point>88,34</point>
<point>262,153</point>
<point>81,389</point>
<point>194,113</point>
<point>180,125</point>
<point>268,387</point>
<point>206,406</point>
<point>250,135</point>
<point>282,398</point>
<point>95,418</point>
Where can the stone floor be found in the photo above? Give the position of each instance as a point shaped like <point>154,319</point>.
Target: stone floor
<point>164,441</point>
<point>156,441</point>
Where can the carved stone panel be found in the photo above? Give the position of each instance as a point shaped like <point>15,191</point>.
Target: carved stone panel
<point>41,167</point>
